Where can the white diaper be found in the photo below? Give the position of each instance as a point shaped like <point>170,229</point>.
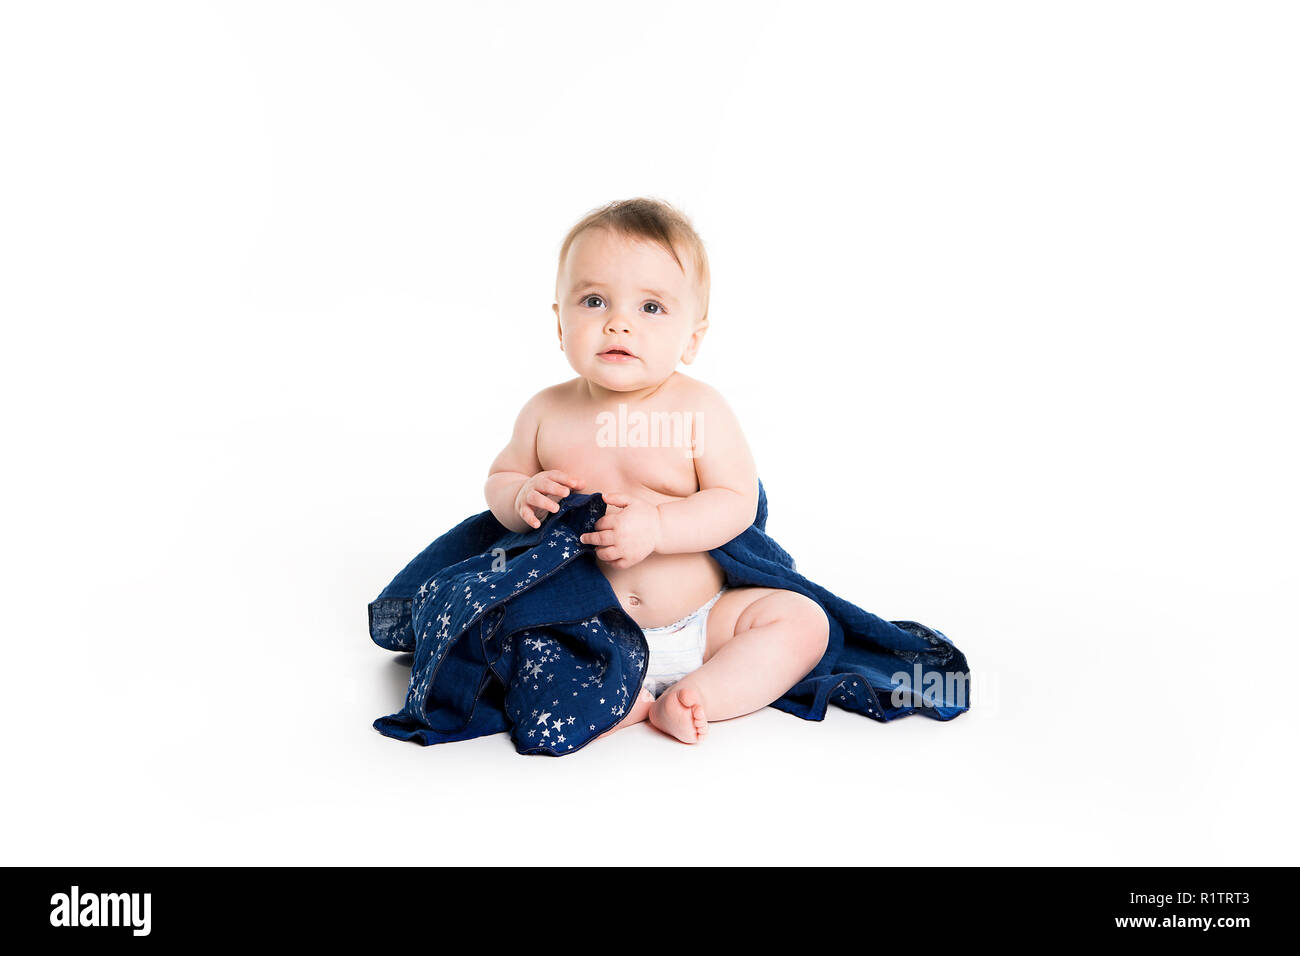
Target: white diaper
<point>677,649</point>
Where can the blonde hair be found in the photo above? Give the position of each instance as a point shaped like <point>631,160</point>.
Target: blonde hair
<point>652,220</point>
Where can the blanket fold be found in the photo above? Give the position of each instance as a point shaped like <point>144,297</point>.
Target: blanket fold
<point>521,632</point>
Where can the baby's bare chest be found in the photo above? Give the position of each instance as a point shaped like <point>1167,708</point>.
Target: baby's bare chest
<point>623,450</point>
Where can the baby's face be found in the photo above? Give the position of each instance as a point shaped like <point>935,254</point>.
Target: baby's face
<point>625,294</point>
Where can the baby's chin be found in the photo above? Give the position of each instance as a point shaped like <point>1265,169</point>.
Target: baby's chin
<point>625,380</point>
<point>626,386</point>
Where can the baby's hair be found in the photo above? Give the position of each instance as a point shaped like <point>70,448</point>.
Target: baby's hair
<point>654,221</point>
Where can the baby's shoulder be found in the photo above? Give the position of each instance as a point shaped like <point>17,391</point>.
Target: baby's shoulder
<point>697,394</point>
<point>551,397</point>
<point>554,403</point>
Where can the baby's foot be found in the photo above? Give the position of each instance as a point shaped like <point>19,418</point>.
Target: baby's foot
<point>679,712</point>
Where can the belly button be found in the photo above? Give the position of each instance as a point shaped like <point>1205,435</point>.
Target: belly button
<point>633,600</point>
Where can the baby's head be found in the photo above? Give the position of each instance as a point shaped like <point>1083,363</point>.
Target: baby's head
<point>633,276</point>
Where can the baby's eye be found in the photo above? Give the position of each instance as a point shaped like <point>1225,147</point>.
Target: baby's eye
<point>658,308</point>
<point>587,301</point>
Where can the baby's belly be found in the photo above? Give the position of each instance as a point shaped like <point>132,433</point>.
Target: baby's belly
<point>665,587</point>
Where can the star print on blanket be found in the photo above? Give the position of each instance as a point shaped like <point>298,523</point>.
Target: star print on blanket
<point>521,632</point>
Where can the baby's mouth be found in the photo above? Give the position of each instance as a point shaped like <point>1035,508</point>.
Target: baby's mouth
<point>623,354</point>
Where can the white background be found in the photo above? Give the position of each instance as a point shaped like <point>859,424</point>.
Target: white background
<point>1005,295</point>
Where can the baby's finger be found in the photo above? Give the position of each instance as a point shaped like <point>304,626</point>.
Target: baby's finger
<point>608,554</point>
<point>574,483</point>
<point>547,486</point>
<point>616,499</point>
<point>605,523</point>
<point>601,538</point>
<point>530,519</point>
<point>539,500</point>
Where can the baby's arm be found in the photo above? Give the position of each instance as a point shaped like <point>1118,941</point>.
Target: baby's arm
<point>516,487</point>
<point>727,501</point>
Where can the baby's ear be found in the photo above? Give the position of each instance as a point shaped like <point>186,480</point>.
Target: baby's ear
<point>693,345</point>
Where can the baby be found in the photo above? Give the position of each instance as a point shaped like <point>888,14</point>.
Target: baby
<point>671,462</point>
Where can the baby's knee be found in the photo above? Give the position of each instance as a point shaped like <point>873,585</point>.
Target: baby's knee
<point>812,628</point>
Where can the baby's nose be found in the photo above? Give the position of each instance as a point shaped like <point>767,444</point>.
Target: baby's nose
<point>616,323</point>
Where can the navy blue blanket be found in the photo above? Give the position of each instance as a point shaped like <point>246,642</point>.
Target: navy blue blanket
<point>521,632</point>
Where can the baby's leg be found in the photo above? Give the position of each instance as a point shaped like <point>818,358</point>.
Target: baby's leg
<point>640,710</point>
<point>761,642</point>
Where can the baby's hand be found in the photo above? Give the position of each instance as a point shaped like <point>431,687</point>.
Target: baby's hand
<point>628,536</point>
<point>540,494</point>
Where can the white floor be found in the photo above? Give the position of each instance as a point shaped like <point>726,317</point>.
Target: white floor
<point>206,696</point>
